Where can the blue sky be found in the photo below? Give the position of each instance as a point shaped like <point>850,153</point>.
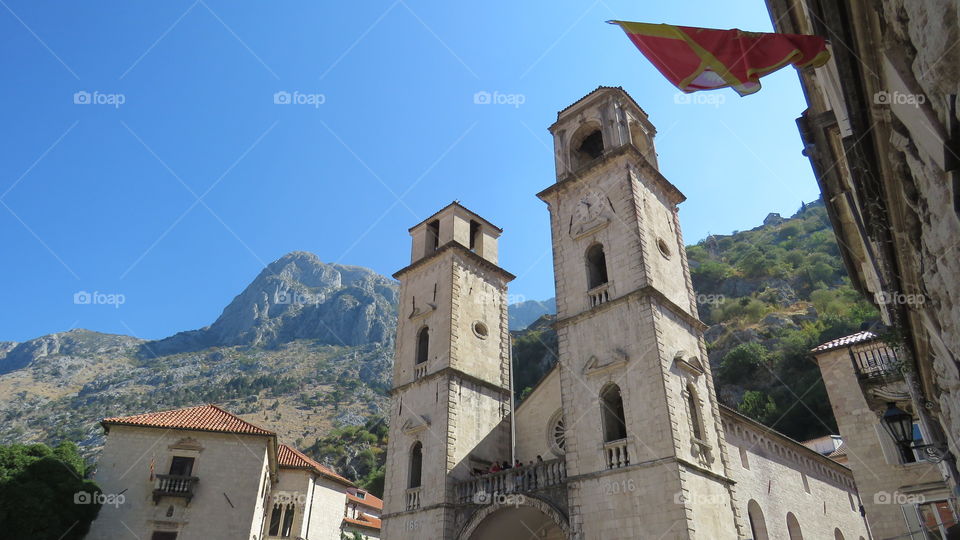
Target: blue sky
<point>178,196</point>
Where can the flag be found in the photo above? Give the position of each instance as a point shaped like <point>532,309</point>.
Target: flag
<point>705,59</point>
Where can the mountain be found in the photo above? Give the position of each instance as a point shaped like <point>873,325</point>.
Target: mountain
<point>769,294</point>
<point>306,348</point>
<point>298,297</point>
<point>523,313</point>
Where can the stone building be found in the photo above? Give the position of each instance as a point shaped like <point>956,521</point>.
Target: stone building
<point>882,132</point>
<point>904,493</point>
<point>202,473</point>
<point>624,438</point>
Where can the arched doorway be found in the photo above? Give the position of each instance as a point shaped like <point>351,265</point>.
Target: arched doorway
<point>758,525</point>
<point>793,527</point>
<point>517,517</point>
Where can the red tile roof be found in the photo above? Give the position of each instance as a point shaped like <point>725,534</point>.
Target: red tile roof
<point>368,500</point>
<point>289,457</point>
<point>853,339</point>
<point>200,418</point>
<point>840,452</point>
<point>364,521</point>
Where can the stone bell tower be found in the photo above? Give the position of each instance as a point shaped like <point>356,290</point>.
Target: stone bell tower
<point>644,450</point>
<point>451,389</point>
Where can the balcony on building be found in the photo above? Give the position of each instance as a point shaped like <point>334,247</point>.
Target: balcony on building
<point>173,485</point>
<point>489,487</point>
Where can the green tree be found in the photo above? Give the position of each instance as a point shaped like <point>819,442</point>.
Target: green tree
<point>758,406</point>
<point>743,362</point>
<point>43,492</point>
<point>374,481</point>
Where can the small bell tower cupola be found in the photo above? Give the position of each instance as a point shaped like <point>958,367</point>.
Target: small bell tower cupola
<point>607,119</point>
<point>455,224</point>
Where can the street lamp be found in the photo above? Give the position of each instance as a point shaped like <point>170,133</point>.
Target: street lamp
<point>899,424</point>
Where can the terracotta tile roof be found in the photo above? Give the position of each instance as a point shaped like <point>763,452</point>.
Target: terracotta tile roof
<point>812,442</point>
<point>594,91</point>
<point>201,418</point>
<point>364,521</point>
<point>852,339</point>
<point>841,451</point>
<point>369,500</point>
<point>289,457</point>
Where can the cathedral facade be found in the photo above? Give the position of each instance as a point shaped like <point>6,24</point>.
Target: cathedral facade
<point>624,437</point>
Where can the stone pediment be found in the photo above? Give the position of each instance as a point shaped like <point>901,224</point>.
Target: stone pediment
<point>187,443</point>
<point>415,424</point>
<point>617,358</point>
<point>421,311</point>
<point>581,229</point>
<point>692,365</point>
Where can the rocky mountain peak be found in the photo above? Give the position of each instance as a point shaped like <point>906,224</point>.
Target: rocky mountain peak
<point>298,297</point>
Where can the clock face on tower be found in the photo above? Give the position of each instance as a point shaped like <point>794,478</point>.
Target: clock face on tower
<point>590,206</point>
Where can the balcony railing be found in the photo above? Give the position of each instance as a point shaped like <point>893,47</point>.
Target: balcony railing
<point>420,371</point>
<point>168,485</point>
<point>599,295</point>
<point>413,498</point>
<point>615,454</point>
<point>486,488</point>
<point>875,360</point>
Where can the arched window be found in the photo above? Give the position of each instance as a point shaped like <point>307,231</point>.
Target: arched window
<point>614,423</point>
<point>416,465</point>
<point>693,404</point>
<point>793,527</point>
<point>837,534</point>
<point>586,145</point>
<point>591,147</point>
<point>423,345</point>
<point>758,527</point>
<point>596,266</point>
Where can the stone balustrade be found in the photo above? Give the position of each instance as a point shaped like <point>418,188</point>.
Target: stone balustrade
<point>599,295</point>
<point>528,478</point>
<point>615,454</point>
<point>413,498</point>
<point>420,371</point>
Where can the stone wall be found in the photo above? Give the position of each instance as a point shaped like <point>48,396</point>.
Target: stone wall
<point>927,33</point>
<point>879,476</point>
<point>782,476</point>
<point>327,508</point>
<point>535,419</point>
<point>227,502</point>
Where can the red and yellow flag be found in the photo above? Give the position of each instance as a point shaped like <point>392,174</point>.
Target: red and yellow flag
<point>704,59</point>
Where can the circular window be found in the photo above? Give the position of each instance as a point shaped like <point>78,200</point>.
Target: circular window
<point>480,330</point>
<point>663,247</point>
<point>556,434</point>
